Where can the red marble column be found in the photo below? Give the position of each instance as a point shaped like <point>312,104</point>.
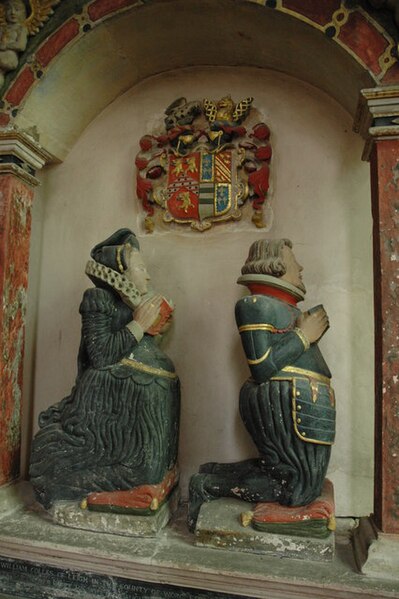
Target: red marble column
<point>385,204</point>
<point>15,224</point>
<point>20,157</point>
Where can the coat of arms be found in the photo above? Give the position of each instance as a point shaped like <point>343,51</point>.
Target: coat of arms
<point>205,165</point>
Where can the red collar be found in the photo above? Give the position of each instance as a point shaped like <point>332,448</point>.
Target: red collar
<point>281,294</point>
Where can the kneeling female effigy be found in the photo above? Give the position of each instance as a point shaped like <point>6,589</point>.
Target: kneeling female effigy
<point>111,445</point>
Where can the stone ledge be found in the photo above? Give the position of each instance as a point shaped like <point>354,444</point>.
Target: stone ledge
<point>219,527</point>
<point>376,553</point>
<point>29,535</point>
<point>69,513</point>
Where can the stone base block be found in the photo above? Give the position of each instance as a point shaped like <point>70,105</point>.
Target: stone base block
<point>219,526</point>
<point>13,495</point>
<point>376,553</point>
<point>70,514</point>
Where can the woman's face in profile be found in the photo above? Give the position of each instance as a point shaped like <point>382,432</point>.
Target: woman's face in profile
<point>137,271</point>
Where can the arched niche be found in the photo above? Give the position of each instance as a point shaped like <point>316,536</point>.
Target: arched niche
<point>92,193</point>
<point>130,47</point>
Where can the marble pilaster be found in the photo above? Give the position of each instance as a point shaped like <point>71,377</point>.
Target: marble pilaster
<point>20,157</point>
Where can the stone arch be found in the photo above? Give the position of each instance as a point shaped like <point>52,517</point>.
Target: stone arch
<point>339,49</point>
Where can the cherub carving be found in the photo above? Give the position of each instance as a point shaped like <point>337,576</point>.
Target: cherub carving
<point>17,22</point>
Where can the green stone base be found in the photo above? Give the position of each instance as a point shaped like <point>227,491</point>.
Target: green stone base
<point>219,526</point>
<point>69,513</point>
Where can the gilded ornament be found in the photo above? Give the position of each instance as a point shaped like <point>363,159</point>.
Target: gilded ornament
<point>205,165</point>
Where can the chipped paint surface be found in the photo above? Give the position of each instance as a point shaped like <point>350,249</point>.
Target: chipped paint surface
<point>385,176</point>
<point>15,222</point>
<point>219,526</point>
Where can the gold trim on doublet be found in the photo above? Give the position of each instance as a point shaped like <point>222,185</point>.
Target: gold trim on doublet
<point>297,420</point>
<point>257,327</point>
<point>259,360</point>
<point>307,373</point>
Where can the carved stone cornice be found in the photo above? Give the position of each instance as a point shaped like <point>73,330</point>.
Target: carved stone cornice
<point>21,155</point>
<point>377,116</point>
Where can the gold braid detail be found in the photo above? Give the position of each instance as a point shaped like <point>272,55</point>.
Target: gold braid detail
<point>147,368</point>
<point>259,360</point>
<point>303,338</point>
<point>257,327</point>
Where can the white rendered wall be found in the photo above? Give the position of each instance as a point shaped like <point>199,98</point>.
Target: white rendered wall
<point>320,199</point>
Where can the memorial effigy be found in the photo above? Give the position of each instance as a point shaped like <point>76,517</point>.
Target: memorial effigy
<point>288,408</point>
<point>111,445</point>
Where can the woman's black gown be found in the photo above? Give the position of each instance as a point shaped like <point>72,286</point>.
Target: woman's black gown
<point>119,426</point>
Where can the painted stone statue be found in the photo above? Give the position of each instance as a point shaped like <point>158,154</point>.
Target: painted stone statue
<point>287,404</point>
<point>113,441</point>
<point>16,26</point>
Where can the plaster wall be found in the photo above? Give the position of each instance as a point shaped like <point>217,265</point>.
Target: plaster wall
<point>320,199</point>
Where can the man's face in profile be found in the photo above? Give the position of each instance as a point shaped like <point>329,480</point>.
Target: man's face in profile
<point>293,269</point>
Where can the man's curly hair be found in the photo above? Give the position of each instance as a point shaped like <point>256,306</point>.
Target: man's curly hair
<point>265,258</point>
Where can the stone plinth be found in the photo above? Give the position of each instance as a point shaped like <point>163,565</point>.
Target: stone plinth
<point>376,554</point>
<point>219,526</point>
<point>69,513</point>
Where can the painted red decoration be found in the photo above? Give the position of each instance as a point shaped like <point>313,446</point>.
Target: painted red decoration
<point>359,35</point>
<point>165,313</point>
<point>141,163</point>
<point>4,119</point>
<point>143,188</point>
<point>392,75</point>
<point>322,508</point>
<point>15,223</point>
<point>261,131</point>
<point>183,186</point>
<point>364,40</point>
<point>101,8</point>
<point>259,180</point>
<point>262,289</point>
<point>57,42</point>
<point>263,153</point>
<point>320,12</point>
<point>385,190</point>
<point>154,172</point>
<point>146,143</point>
<point>141,497</point>
<point>20,86</point>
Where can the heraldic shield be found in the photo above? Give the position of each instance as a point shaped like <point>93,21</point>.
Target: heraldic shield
<point>202,185</point>
<point>204,166</point>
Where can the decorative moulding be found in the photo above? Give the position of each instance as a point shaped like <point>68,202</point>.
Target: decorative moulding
<point>377,116</point>
<point>22,155</point>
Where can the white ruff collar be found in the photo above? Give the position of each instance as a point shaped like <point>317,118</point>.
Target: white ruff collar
<point>121,284</point>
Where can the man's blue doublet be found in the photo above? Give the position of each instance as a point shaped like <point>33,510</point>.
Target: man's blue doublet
<point>276,352</point>
<point>288,408</point>
<point>287,405</point>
